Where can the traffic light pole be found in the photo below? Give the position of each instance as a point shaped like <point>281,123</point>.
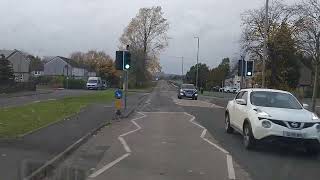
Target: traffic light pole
<point>125,82</point>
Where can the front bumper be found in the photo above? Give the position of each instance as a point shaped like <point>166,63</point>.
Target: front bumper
<point>278,132</point>
<point>188,95</point>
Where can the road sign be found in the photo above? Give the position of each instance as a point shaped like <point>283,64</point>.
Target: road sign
<point>118,94</point>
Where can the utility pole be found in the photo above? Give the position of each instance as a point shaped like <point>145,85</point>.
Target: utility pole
<point>182,68</point>
<point>197,75</point>
<point>265,39</point>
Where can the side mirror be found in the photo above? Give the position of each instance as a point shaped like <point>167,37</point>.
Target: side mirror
<point>241,101</point>
<point>306,106</point>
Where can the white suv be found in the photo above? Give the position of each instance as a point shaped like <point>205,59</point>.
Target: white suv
<point>273,116</point>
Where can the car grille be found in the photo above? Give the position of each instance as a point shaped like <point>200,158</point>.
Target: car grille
<point>189,92</point>
<point>293,125</point>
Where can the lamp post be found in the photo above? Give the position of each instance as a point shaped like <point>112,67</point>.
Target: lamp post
<point>197,66</point>
<point>265,39</point>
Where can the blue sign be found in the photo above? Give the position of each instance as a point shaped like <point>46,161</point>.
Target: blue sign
<point>118,94</point>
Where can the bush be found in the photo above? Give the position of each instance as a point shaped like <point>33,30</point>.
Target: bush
<point>17,87</point>
<point>74,83</point>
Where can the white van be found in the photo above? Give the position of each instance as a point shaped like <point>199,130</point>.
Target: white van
<point>94,83</point>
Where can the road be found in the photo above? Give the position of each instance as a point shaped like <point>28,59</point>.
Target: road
<point>55,94</point>
<point>170,138</point>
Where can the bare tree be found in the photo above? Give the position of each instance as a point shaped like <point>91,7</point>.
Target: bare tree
<point>146,34</point>
<point>308,35</point>
<point>253,27</point>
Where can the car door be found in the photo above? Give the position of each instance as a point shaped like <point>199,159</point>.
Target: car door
<point>240,110</point>
<point>232,109</point>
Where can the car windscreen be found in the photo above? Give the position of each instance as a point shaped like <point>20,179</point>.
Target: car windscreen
<point>187,86</point>
<point>92,81</point>
<point>274,99</point>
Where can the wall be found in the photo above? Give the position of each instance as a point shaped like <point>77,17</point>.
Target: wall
<point>20,65</point>
<point>78,72</point>
<point>56,66</point>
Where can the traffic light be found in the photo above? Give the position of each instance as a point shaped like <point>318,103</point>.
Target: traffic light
<point>127,59</point>
<point>241,68</point>
<point>249,68</point>
<point>119,60</point>
<point>123,60</point>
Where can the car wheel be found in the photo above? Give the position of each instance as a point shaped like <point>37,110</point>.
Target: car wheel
<point>248,139</point>
<point>227,126</point>
<point>179,97</point>
<point>195,98</point>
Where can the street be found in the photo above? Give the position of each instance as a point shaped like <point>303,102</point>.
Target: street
<point>182,139</point>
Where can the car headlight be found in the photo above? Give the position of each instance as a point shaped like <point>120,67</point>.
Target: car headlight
<point>314,117</point>
<point>266,124</point>
<point>318,128</point>
<point>181,90</point>
<point>262,113</point>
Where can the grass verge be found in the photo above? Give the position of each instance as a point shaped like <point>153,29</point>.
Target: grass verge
<point>16,121</point>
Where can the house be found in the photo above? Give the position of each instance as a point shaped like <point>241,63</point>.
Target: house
<point>233,81</point>
<point>36,67</point>
<point>20,63</point>
<point>59,65</point>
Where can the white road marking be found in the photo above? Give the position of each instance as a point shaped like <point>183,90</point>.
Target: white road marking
<point>203,133</point>
<point>108,166</point>
<point>174,85</point>
<point>52,99</point>
<point>231,173</point>
<point>125,146</point>
<point>36,101</point>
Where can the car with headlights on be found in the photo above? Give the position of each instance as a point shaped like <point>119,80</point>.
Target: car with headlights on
<point>188,91</point>
<point>267,115</point>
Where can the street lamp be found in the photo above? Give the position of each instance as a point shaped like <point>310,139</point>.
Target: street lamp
<point>197,75</point>
<point>265,38</point>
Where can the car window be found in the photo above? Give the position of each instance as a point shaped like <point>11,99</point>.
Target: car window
<point>274,99</point>
<point>187,86</point>
<point>239,95</point>
<point>245,96</point>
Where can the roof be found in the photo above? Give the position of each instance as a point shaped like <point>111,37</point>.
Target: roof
<point>7,53</point>
<point>262,89</point>
<point>72,62</point>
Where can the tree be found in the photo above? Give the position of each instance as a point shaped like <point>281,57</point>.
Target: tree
<point>35,63</point>
<point>219,74</point>
<point>308,36</point>
<point>147,36</point>
<point>100,62</point>
<point>283,61</point>
<point>253,27</point>
<point>6,70</point>
<point>203,74</point>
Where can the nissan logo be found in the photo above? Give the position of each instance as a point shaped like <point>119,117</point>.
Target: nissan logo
<point>294,124</point>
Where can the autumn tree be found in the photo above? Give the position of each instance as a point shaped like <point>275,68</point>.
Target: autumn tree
<point>202,76</point>
<point>308,37</point>
<point>147,36</point>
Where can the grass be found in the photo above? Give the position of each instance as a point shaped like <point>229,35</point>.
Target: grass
<point>16,121</point>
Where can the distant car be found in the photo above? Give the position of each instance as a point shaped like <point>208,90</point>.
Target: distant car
<point>215,88</point>
<point>188,91</point>
<point>94,83</point>
<point>235,90</point>
<point>266,115</point>
<point>227,89</point>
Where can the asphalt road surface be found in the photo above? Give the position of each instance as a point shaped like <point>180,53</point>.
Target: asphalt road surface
<point>170,138</point>
<point>56,94</point>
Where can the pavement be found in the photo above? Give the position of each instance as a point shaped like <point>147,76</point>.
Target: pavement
<point>39,95</point>
<point>20,157</point>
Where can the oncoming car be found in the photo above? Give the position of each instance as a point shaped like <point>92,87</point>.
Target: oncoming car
<point>188,91</point>
<point>273,116</point>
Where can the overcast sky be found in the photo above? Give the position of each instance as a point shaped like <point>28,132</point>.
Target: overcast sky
<point>59,27</point>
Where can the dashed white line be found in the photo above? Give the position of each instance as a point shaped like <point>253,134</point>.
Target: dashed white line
<point>108,166</point>
<point>36,101</point>
<point>203,133</point>
<point>232,174</point>
<point>52,99</point>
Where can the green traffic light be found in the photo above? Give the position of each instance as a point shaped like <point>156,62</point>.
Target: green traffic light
<point>127,66</point>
